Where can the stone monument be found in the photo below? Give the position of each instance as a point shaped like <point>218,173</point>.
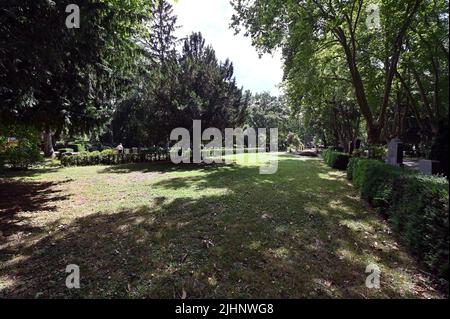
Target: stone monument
<point>395,152</point>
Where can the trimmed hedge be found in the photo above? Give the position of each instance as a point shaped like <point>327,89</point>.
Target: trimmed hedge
<point>335,159</point>
<point>416,205</point>
<point>111,157</point>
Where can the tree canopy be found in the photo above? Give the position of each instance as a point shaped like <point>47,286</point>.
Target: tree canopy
<point>394,74</point>
<point>55,77</point>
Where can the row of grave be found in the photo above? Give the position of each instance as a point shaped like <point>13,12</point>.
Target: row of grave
<point>395,156</point>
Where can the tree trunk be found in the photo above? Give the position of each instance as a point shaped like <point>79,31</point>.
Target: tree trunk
<point>373,134</point>
<point>48,144</point>
<point>358,85</point>
<point>374,127</point>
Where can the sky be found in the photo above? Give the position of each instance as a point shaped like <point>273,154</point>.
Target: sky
<point>212,18</point>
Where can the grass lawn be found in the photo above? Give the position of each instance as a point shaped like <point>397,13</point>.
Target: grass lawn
<point>165,231</point>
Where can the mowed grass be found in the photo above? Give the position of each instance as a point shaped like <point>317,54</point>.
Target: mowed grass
<point>217,231</point>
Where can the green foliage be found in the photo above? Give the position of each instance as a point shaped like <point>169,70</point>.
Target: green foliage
<point>185,83</point>
<point>376,151</point>
<point>338,69</point>
<point>111,157</point>
<point>24,151</point>
<point>56,77</point>
<point>294,142</point>
<point>335,159</point>
<point>268,111</point>
<point>77,147</point>
<point>351,166</point>
<point>419,211</point>
<point>373,178</point>
<point>416,205</point>
<point>108,151</point>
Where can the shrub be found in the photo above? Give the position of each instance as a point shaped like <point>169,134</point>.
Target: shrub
<point>335,159</point>
<point>294,142</point>
<point>420,213</point>
<point>376,151</point>
<point>415,204</point>
<point>108,151</point>
<point>373,178</point>
<point>111,157</point>
<point>24,151</point>
<point>350,166</point>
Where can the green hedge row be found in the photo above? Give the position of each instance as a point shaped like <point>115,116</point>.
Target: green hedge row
<point>335,159</point>
<point>415,204</point>
<point>111,157</point>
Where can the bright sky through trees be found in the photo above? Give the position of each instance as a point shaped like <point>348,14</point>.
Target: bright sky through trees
<point>212,19</point>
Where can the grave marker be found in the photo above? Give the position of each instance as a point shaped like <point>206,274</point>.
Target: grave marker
<point>395,152</point>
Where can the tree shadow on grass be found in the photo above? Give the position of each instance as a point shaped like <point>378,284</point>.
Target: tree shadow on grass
<point>31,172</point>
<point>259,240</point>
<point>157,167</point>
<point>289,179</point>
<point>160,254</point>
<point>17,196</point>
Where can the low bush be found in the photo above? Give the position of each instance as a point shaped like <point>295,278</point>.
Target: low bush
<point>335,159</point>
<point>378,152</point>
<point>350,166</point>
<point>416,205</point>
<point>294,142</point>
<point>374,179</point>
<point>23,151</point>
<point>111,157</point>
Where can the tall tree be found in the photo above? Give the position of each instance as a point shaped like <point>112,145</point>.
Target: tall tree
<point>55,77</point>
<point>177,87</point>
<point>306,28</point>
<point>209,90</point>
<point>161,42</point>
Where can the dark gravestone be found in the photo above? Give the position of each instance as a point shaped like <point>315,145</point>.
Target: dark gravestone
<point>351,145</point>
<point>400,147</point>
<point>357,144</point>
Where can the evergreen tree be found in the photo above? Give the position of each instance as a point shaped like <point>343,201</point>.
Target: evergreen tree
<point>54,77</point>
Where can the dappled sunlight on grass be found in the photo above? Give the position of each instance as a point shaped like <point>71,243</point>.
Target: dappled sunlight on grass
<point>357,225</point>
<point>148,230</point>
<point>279,253</point>
<point>339,205</point>
<point>328,177</point>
